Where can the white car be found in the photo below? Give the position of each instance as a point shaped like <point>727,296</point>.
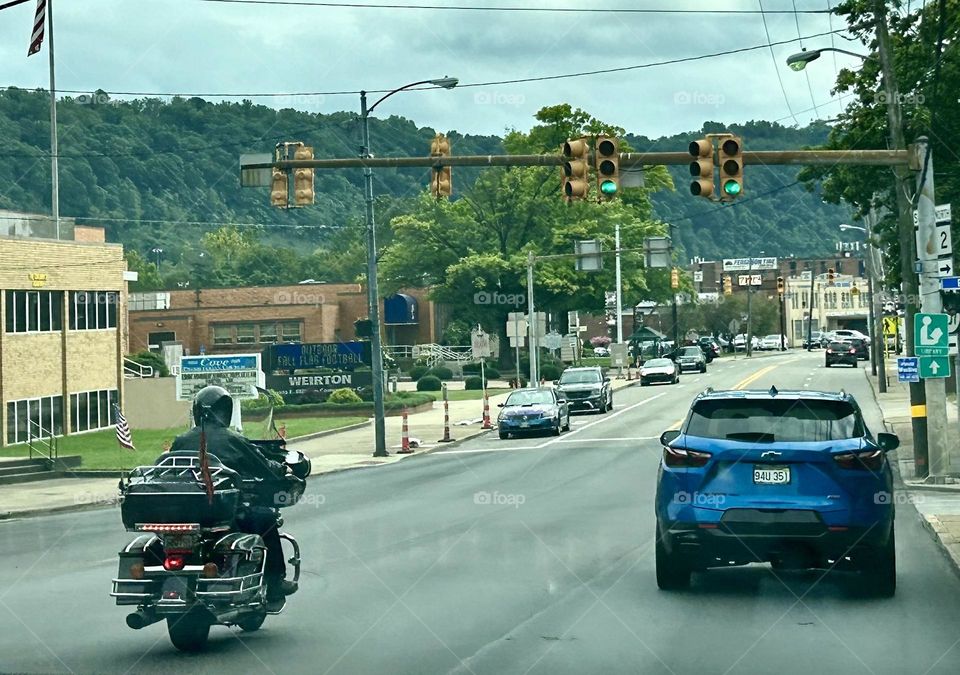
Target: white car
<point>740,342</point>
<point>844,334</point>
<point>773,342</point>
<point>601,351</point>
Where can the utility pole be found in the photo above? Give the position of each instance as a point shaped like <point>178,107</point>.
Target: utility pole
<point>532,323</point>
<point>908,250</point>
<point>748,343</point>
<point>936,395</point>
<point>810,310</point>
<point>616,243</point>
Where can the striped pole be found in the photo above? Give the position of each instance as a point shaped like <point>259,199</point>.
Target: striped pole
<point>486,413</point>
<point>404,436</point>
<point>446,417</point>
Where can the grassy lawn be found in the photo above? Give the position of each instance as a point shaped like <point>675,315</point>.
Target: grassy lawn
<point>465,395</point>
<point>100,449</point>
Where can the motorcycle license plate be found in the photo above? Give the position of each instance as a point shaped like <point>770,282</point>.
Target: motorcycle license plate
<point>771,475</point>
<point>178,541</point>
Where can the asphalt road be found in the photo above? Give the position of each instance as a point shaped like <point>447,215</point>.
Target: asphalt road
<point>525,555</point>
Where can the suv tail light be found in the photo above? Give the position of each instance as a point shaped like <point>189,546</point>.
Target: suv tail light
<point>853,351</point>
<point>680,457</point>
<point>871,460</point>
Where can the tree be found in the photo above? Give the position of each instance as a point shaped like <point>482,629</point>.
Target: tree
<point>148,279</point>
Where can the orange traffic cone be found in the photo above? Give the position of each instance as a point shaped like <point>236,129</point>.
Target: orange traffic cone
<point>404,436</point>
<point>486,413</point>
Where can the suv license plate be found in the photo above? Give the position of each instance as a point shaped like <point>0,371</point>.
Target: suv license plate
<point>771,475</point>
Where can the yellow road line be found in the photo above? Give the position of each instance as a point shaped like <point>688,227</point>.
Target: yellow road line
<point>742,384</point>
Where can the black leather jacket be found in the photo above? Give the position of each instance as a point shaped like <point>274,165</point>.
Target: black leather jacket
<point>232,449</point>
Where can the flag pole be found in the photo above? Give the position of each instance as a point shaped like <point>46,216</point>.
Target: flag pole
<point>54,168</point>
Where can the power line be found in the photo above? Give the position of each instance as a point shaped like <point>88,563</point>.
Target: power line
<point>806,73</point>
<point>776,67</point>
<point>542,10</point>
<point>544,78</point>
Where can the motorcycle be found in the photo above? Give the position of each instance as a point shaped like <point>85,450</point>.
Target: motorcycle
<point>189,564</point>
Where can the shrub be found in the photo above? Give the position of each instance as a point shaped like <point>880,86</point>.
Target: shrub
<point>473,382</point>
<point>490,369</point>
<point>155,361</point>
<point>417,372</point>
<point>429,383</point>
<point>550,372</point>
<point>600,341</point>
<point>344,396</point>
<point>263,402</point>
<point>441,373</point>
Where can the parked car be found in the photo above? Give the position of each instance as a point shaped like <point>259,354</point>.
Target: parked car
<point>791,478</point>
<point>845,334</point>
<point>773,342</point>
<point>691,358</point>
<point>534,409</point>
<point>586,389</point>
<point>862,346</point>
<point>840,352</point>
<point>601,351</point>
<point>740,342</point>
<point>659,370</point>
<point>710,347</point>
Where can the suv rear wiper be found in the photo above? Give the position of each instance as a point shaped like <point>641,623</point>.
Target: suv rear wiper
<point>755,436</point>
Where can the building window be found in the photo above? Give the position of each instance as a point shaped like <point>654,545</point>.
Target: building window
<point>148,301</point>
<point>795,300</point>
<point>846,301</point>
<point>290,331</point>
<point>223,335</point>
<point>93,410</point>
<point>33,418</point>
<point>34,311</point>
<point>268,332</point>
<point>93,310</point>
<point>246,334</point>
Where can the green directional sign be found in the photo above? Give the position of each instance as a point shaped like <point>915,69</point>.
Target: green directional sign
<point>931,335</point>
<point>934,366</point>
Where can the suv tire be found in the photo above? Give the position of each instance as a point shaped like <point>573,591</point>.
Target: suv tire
<point>878,568</point>
<point>673,574</point>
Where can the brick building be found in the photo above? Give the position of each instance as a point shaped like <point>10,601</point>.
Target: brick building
<point>64,334</point>
<point>234,320</point>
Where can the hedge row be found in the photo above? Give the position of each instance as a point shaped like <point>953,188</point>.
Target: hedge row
<point>391,402</point>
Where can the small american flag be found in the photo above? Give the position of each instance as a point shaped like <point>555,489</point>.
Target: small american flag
<point>36,38</point>
<point>124,438</point>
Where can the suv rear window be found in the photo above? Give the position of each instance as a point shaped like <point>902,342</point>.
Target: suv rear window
<point>775,420</point>
<point>580,377</point>
<point>691,351</point>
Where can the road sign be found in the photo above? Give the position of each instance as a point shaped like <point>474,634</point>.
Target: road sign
<point>908,369</point>
<point>930,333</point>
<point>237,373</point>
<point>698,275</point>
<point>516,326</point>
<point>743,264</point>
<point>656,252</point>
<point>479,344</point>
<point>618,355</point>
<point>953,345</point>
<point>943,267</point>
<point>755,279</point>
<point>552,340</point>
<point>890,325</point>
<point>950,283</point>
<point>255,177</point>
<point>934,366</point>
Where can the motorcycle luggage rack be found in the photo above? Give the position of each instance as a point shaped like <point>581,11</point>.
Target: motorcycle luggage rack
<point>181,467</point>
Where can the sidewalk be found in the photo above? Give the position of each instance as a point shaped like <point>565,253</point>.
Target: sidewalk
<point>937,503</point>
<point>351,448</point>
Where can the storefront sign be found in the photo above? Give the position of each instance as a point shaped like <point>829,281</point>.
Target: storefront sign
<point>293,387</point>
<point>333,355</point>
<point>238,374</point>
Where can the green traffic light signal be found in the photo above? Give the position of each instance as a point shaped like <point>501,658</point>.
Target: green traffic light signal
<point>732,188</point>
<point>608,187</point>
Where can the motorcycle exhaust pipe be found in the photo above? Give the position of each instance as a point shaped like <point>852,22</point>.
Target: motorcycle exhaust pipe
<point>141,619</point>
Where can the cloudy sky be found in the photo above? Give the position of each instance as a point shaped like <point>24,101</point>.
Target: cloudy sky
<point>208,48</point>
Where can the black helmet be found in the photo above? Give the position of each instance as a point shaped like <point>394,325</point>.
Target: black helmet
<point>214,405</point>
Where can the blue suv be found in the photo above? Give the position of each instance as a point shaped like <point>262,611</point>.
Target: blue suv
<point>793,478</point>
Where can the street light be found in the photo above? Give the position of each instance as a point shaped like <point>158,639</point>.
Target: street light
<point>380,443</point>
<point>158,251</point>
<point>800,60</point>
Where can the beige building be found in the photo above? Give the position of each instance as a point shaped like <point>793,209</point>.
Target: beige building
<point>843,304</point>
<point>63,336</point>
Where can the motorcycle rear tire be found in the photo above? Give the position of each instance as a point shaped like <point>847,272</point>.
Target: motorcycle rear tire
<point>252,622</point>
<point>189,632</point>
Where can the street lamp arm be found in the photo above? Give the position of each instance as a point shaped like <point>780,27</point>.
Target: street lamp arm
<point>865,57</point>
<point>443,83</point>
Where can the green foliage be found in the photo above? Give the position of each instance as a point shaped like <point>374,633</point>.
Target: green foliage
<point>473,382</point>
<point>441,373</point>
<point>271,399</point>
<point>550,372</point>
<point>344,396</point>
<point>155,361</point>
<point>429,383</point>
<point>417,372</point>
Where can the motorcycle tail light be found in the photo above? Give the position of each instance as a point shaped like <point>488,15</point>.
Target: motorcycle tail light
<point>210,570</point>
<point>136,570</point>
<point>681,457</point>
<point>174,563</point>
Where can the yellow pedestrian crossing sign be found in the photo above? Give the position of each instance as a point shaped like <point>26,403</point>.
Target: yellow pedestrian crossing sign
<point>890,326</point>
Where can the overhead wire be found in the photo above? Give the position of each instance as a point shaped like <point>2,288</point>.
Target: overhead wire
<point>806,72</point>
<point>776,66</point>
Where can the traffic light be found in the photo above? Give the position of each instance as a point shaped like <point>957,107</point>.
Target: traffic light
<point>727,285</point>
<point>701,168</point>
<point>831,275</point>
<point>441,181</point>
<point>303,178</point>
<point>731,168</point>
<point>608,168</point>
<point>780,286</point>
<point>674,278</point>
<point>363,328</point>
<point>279,189</point>
<point>576,169</point>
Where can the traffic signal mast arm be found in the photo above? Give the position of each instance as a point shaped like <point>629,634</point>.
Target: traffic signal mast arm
<point>628,160</point>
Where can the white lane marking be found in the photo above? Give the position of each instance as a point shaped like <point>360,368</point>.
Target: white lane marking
<point>605,418</point>
<point>470,452</point>
<point>606,440</point>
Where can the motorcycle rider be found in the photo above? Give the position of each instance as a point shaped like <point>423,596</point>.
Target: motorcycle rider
<point>212,413</point>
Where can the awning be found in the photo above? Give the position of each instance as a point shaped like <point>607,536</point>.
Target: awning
<point>400,309</point>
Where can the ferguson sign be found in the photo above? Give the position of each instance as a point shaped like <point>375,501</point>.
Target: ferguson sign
<point>745,264</point>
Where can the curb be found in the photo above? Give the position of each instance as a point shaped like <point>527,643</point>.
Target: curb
<point>950,550</point>
<point>329,432</point>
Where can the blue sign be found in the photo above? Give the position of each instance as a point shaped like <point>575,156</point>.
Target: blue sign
<point>908,369</point>
<point>217,364</point>
<point>335,355</point>
<point>950,283</point>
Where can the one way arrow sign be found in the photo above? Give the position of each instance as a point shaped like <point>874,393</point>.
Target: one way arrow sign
<point>934,366</point>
